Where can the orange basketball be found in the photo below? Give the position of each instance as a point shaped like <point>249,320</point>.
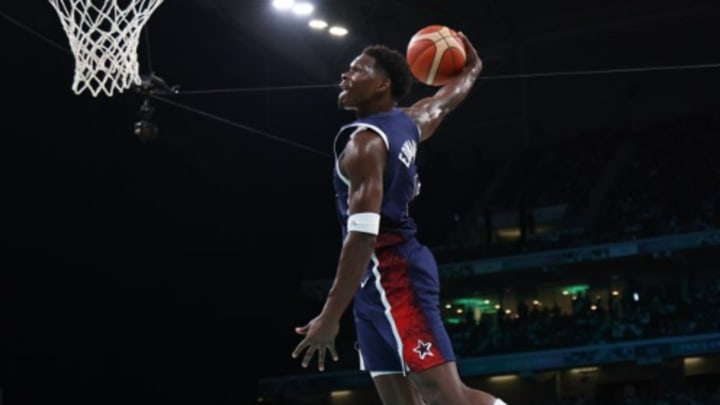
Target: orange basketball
<point>435,54</point>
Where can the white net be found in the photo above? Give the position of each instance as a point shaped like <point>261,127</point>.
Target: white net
<point>104,38</point>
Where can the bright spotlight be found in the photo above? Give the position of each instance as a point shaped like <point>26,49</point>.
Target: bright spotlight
<point>283,4</point>
<point>317,24</point>
<point>303,9</point>
<point>338,31</point>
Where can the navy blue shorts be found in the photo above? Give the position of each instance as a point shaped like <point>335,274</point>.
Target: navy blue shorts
<point>397,312</point>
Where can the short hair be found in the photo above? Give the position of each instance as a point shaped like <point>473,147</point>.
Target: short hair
<point>395,65</point>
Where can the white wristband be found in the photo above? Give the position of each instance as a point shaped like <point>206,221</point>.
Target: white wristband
<point>368,222</point>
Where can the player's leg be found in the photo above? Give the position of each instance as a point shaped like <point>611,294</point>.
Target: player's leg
<point>442,385</point>
<point>381,358</point>
<point>396,389</point>
<point>379,346</point>
<point>379,354</point>
<point>430,356</point>
<point>399,328</point>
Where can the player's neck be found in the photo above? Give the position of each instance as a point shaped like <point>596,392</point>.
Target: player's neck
<point>374,109</point>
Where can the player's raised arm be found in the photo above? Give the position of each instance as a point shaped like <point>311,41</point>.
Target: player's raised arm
<point>429,112</point>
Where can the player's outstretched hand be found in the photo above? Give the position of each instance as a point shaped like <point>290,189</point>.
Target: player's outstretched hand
<point>472,58</point>
<point>319,337</point>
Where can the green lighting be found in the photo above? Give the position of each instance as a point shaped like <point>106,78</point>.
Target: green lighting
<point>575,289</point>
<point>485,305</point>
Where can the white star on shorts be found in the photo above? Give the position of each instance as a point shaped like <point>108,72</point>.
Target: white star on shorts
<point>423,349</point>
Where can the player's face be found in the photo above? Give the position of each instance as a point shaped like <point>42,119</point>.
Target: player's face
<point>359,83</point>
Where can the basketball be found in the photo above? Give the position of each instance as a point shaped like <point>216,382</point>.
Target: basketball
<point>435,54</point>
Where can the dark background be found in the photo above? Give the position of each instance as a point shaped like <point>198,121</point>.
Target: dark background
<point>169,271</point>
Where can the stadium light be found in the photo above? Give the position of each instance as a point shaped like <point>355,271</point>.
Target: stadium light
<point>317,24</point>
<point>338,31</point>
<point>303,9</point>
<point>283,4</point>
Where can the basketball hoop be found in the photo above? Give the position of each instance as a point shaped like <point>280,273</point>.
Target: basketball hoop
<point>104,38</point>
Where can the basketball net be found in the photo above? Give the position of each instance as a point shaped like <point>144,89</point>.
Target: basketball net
<point>104,38</point>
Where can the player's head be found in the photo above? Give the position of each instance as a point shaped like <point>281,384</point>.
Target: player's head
<point>395,66</point>
<point>376,80</point>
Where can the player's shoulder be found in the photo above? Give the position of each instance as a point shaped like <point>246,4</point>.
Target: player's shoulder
<point>415,112</point>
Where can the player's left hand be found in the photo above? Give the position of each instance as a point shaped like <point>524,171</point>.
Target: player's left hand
<point>472,59</point>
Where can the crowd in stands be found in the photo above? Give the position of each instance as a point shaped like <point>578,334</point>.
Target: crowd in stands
<point>689,397</point>
<point>614,187</point>
<point>651,393</point>
<point>657,312</point>
<point>670,186</point>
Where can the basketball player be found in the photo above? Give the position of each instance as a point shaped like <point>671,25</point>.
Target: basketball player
<point>391,277</point>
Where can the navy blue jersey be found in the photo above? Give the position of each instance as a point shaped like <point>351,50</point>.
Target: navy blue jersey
<point>401,137</point>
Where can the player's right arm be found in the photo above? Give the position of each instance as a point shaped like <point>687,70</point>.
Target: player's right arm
<point>429,112</point>
<point>364,160</point>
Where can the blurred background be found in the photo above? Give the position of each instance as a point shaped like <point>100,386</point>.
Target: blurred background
<point>572,203</point>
